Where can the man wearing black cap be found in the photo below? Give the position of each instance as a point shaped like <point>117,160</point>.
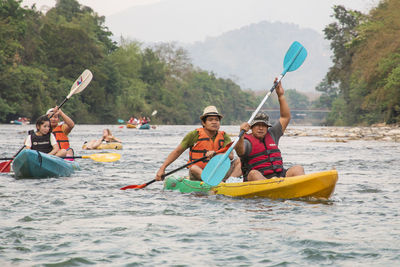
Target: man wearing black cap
<point>204,141</point>
<point>259,153</point>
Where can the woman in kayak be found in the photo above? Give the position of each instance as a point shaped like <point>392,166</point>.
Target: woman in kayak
<point>107,137</point>
<point>43,140</point>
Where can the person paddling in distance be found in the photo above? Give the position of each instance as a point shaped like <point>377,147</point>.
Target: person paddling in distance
<point>107,137</point>
<point>61,130</point>
<point>43,139</point>
<point>202,142</point>
<point>259,153</point>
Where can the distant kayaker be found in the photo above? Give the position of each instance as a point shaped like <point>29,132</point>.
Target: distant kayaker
<point>259,153</point>
<point>61,130</point>
<point>43,139</point>
<point>131,120</point>
<point>107,137</point>
<point>202,142</point>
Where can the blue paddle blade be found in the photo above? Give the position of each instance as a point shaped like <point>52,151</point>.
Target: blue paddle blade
<point>216,170</point>
<point>294,57</point>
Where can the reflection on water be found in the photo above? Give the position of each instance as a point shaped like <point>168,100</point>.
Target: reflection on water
<point>86,219</point>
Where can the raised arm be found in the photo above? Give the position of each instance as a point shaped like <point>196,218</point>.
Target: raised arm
<point>284,107</point>
<point>68,122</point>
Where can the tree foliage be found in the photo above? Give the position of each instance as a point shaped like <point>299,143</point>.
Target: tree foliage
<point>42,54</point>
<point>362,86</point>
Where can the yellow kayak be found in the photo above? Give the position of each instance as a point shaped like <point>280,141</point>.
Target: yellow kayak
<point>131,125</point>
<point>111,145</point>
<point>317,185</point>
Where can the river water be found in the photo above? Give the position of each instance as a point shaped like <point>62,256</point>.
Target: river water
<point>86,220</point>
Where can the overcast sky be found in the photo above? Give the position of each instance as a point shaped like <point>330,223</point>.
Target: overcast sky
<point>201,15</point>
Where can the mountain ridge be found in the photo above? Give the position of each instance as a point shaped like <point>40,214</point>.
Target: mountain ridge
<point>253,55</point>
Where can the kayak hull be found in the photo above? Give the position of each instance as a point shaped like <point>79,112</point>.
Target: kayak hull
<point>131,126</point>
<point>144,126</point>
<point>33,164</point>
<point>111,145</point>
<point>315,185</point>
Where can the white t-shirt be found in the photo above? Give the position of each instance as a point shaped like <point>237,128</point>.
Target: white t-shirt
<point>53,141</point>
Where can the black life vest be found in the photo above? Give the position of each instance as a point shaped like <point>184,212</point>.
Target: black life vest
<point>41,143</point>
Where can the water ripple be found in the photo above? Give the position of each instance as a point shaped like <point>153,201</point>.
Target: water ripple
<point>86,220</point>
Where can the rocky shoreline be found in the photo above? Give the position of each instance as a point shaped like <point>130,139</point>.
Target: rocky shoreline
<point>345,134</point>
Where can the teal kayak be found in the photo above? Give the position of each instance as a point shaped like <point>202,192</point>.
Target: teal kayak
<point>144,126</point>
<point>34,164</point>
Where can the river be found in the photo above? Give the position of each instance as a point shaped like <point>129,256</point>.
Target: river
<point>86,220</point>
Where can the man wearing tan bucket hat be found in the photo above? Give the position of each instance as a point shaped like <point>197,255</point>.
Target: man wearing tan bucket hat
<point>259,153</point>
<point>202,142</point>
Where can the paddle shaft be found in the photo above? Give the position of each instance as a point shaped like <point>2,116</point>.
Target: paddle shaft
<point>11,159</point>
<point>16,154</point>
<point>184,166</point>
<point>164,175</point>
<point>62,103</point>
<point>68,157</point>
<point>74,157</point>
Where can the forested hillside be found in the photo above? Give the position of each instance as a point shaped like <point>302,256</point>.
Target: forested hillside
<point>363,85</point>
<point>42,54</point>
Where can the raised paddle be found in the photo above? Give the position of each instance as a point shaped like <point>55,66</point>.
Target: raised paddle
<point>219,165</point>
<point>134,186</point>
<point>78,86</point>
<point>100,157</point>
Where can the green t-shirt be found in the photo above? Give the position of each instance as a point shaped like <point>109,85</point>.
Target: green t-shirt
<point>191,139</point>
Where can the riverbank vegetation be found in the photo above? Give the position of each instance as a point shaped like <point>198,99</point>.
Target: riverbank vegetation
<point>42,54</point>
<point>363,85</point>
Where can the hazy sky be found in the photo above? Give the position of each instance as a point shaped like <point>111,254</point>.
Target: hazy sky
<point>213,17</point>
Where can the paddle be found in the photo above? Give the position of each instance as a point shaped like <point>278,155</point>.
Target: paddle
<point>219,165</point>
<point>5,166</point>
<point>78,86</point>
<point>133,186</point>
<point>100,157</point>
<point>222,150</point>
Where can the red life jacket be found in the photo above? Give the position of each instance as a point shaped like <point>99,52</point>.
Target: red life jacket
<point>205,144</point>
<point>61,137</point>
<point>265,156</point>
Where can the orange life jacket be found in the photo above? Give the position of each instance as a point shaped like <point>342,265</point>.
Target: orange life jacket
<point>205,144</point>
<point>61,137</point>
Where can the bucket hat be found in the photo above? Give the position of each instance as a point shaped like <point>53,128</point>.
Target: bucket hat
<point>49,111</point>
<point>210,111</point>
<point>261,117</point>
